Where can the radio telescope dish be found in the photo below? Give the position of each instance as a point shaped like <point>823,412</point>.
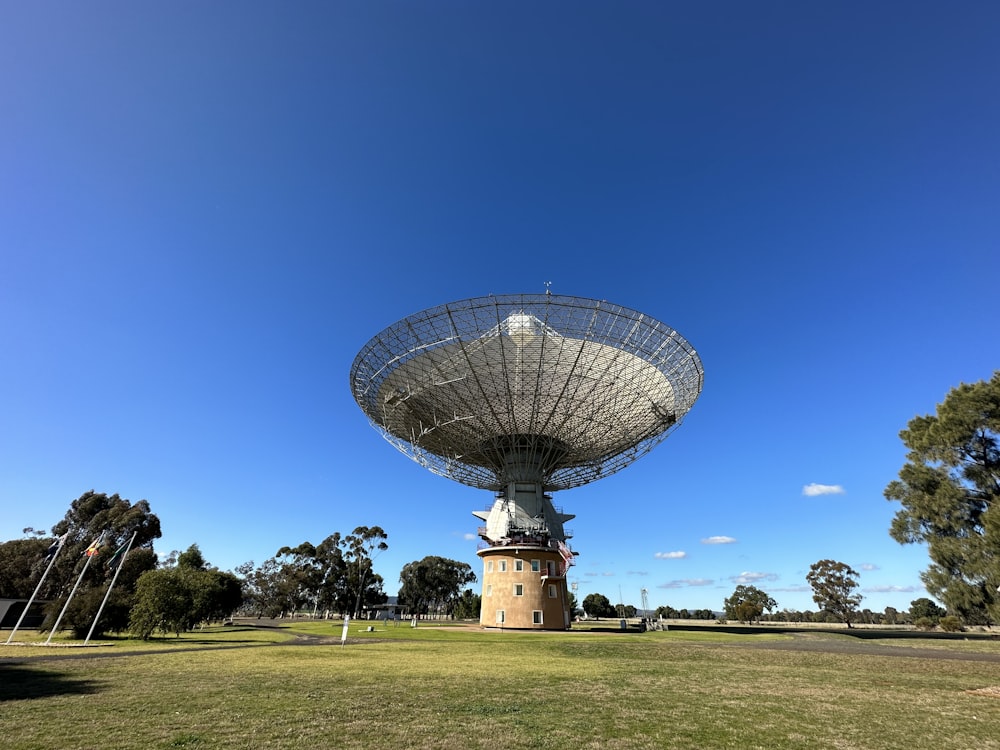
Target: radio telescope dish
<point>564,389</point>
<point>524,395</point>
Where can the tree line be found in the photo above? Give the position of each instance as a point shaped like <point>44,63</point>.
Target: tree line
<point>923,613</point>
<point>333,576</point>
<point>71,572</point>
<point>833,585</point>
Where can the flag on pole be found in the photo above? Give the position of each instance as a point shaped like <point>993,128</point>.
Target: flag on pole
<point>53,552</point>
<point>95,546</point>
<point>124,549</point>
<point>56,546</point>
<point>90,553</point>
<point>117,552</point>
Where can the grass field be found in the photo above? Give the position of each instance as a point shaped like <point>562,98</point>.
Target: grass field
<point>398,687</point>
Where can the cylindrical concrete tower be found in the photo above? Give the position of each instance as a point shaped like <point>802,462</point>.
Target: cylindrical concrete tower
<point>524,395</point>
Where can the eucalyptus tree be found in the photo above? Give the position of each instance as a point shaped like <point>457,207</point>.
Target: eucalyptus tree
<point>598,605</point>
<point>268,588</point>
<point>924,608</point>
<point>747,604</point>
<point>318,573</point>
<point>98,524</point>
<point>572,604</point>
<point>362,546</point>
<point>21,564</point>
<point>334,575</point>
<point>833,585</point>
<point>467,606</point>
<point>434,584</point>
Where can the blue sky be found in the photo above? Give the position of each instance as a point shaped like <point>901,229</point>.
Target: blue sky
<point>206,210</point>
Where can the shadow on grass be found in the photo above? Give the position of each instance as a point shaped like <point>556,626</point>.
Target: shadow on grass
<point>171,640</point>
<point>217,630</point>
<point>18,682</point>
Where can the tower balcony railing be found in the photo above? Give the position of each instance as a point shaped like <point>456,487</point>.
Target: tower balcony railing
<point>520,539</point>
<point>559,574</point>
<point>541,537</point>
<point>517,538</point>
<point>557,508</point>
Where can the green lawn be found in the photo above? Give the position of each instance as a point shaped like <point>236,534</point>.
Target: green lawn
<point>431,687</point>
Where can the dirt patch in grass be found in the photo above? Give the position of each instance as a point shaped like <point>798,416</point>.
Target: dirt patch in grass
<point>990,692</point>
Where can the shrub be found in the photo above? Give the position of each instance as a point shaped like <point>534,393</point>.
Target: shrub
<point>923,623</point>
<point>951,624</point>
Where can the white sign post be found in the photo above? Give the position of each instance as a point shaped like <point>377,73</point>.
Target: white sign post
<point>343,634</point>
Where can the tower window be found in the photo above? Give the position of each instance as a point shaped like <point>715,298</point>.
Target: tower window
<point>518,589</point>
<point>500,616</point>
<point>519,565</point>
<point>536,616</point>
<point>552,591</point>
<point>536,566</point>
<point>489,589</point>
<point>503,566</point>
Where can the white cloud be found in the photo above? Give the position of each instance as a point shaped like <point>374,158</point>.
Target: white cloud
<point>893,589</point>
<point>869,566</point>
<point>670,555</point>
<point>748,577</point>
<point>469,537</point>
<point>813,489</point>
<point>719,540</point>
<point>162,548</point>
<point>680,583</point>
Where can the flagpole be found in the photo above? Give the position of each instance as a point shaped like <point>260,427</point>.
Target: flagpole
<point>110,586</point>
<point>38,588</point>
<point>75,587</point>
